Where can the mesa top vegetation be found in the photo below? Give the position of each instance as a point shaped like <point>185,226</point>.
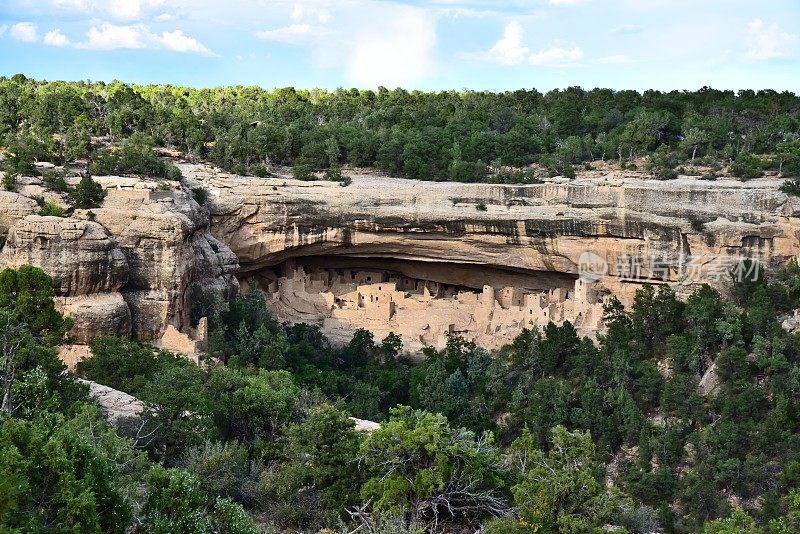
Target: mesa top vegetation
<point>462,136</point>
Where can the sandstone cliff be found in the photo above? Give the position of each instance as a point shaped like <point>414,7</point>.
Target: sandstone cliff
<point>134,264</point>
<point>129,266</point>
<point>685,223</point>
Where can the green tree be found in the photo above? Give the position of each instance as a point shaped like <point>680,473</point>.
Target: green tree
<point>560,491</point>
<point>417,464</point>
<point>174,504</point>
<point>88,193</point>
<point>42,463</point>
<point>321,455</point>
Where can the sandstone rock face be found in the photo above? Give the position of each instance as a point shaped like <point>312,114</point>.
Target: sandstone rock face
<point>87,267</point>
<point>13,207</point>
<point>627,230</point>
<point>80,255</point>
<point>151,251</point>
<point>129,271</point>
<point>671,231</point>
<point>115,404</point>
<point>164,237</point>
<point>97,314</point>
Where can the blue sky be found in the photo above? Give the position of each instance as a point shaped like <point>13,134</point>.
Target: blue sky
<point>417,44</point>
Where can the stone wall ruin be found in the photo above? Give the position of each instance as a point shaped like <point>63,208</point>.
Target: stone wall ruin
<point>423,302</point>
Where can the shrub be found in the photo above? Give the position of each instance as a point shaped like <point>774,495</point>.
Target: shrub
<point>57,183</point>
<point>664,173</point>
<point>480,206</point>
<point>88,193</point>
<point>467,171</point>
<point>172,172</point>
<point>302,171</point>
<point>525,176</point>
<point>662,164</point>
<point>104,162</point>
<point>200,195</point>
<point>261,171</point>
<point>9,180</point>
<point>791,187</point>
<point>346,181</point>
<point>747,166</point>
<point>334,173</point>
<point>50,208</point>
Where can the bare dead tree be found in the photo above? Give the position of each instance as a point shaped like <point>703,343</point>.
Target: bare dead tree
<point>11,338</point>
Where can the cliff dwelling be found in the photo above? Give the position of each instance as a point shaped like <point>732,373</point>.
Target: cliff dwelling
<point>424,301</point>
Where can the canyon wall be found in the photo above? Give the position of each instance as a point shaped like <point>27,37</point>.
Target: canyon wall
<point>128,267</point>
<point>133,265</point>
<point>646,230</point>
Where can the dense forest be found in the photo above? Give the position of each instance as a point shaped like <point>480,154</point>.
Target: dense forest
<point>462,136</point>
<point>551,433</point>
<point>684,416</point>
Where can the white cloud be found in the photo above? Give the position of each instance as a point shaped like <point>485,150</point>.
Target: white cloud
<point>72,4</point>
<point>123,10</point>
<point>55,38</point>
<point>395,51</point>
<point>166,17</point>
<point>294,34</point>
<point>556,56</point>
<point>769,42</point>
<point>618,59</point>
<point>179,42</point>
<point>25,32</point>
<point>3,29</point>
<point>508,50</point>
<point>301,12</point>
<point>112,37</point>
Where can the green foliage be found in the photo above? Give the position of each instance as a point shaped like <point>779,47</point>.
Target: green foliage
<point>88,193</point>
<point>136,156</point>
<point>127,365</point>
<point>663,162</point>
<point>78,141</point>
<point>302,171</point>
<point>27,293</point>
<point>252,407</point>
<point>178,409</point>
<point>9,180</point>
<point>320,466</point>
<point>561,491</point>
<point>747,166</point>
<point>42,461</point>
<point>200,195</point>
<point>175,504</point>
<point>417,464</point>
<point>791,187</point>
<point>480,206</point>
<point>435,136</point>
<point>50,208</point>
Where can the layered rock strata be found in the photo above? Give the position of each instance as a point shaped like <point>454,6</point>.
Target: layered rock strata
<point>138,263</point>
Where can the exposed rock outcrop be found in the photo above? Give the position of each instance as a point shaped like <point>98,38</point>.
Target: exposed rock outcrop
<point>13,207</point>
<point>129,271</point>
<point>115,404</point>
<point>80,255</point>
<point>665,230</point>
<point>151,251</point>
